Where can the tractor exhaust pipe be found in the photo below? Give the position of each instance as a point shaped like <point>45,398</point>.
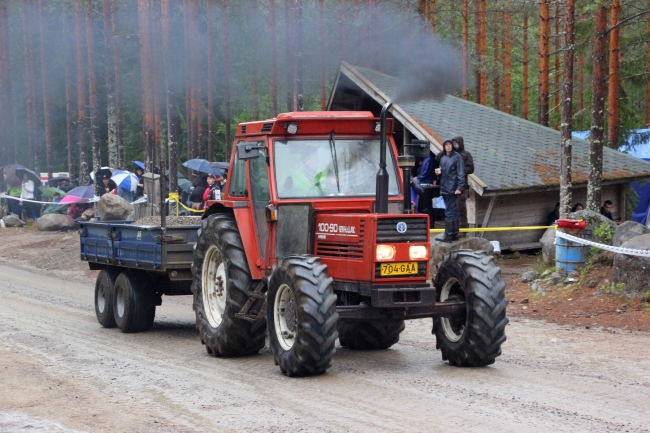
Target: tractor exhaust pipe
<point>381,198</point>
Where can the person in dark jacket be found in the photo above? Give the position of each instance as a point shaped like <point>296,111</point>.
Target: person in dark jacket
<point>427,175</point>
<point>196,196</point>
<point>468,161</point>
<point>452,183</point>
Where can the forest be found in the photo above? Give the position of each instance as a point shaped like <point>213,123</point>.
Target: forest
<point>89,83</point>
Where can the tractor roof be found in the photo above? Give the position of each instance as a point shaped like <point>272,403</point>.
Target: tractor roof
<point>316,122</point>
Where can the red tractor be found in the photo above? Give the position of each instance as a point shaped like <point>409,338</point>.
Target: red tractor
<point>313,244</point>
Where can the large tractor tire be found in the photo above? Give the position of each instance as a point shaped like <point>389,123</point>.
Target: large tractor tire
<point>301,316</point>
<point>222,282</point>
<point>134,301</point>
<point>104,286</point>
<point>369,335</point>
<point>474,338</point>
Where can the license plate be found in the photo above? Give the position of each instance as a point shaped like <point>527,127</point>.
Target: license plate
<point>404,268</point>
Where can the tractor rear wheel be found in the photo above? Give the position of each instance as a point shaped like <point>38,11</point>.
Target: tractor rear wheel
<point>222,282</point>
<point>369,335</point>
<point>474,338</point>
<point>301,316</point>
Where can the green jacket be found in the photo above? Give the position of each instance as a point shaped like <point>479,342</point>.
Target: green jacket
<point>14,191</point>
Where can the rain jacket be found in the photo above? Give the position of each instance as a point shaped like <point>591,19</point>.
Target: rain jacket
<point>453,172</point>
<point>468,160</point>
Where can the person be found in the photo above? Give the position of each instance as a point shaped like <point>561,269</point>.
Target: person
<point>27,193</point>
<point>553,215</point>
<point>196,196</point>
<point>428,175</point>
<point>461,199</point>
<point>65,186</point>
<point>56,197</point>
<point>139,191</point>
<point>452,183</point>
<point>81,211</point>
<point>14,189</point>
<point>126,194</point>
<point>108,186</point>
<point>212,192</point>
<point>577,207</point>
<point>606,211</point>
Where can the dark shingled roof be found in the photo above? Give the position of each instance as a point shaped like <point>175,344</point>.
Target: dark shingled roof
<point>509,152</point>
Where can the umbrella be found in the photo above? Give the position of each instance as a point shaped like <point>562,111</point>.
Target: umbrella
<point>221,165</point>
<point>49,191</point>
<point>185,185</point>
<point>103,172</point>
<point>179,175</point>
<point>138,164</point>
<point>79,193</point>
<point>203,166</point>
<point>126,180</point>
<point>21,170</point>
<point>55,180</point>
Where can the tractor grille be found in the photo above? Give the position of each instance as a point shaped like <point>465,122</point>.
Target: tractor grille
<point>417,230</point>
<point>341,250</point>
<point>422,271</point>
<point>267,127</point>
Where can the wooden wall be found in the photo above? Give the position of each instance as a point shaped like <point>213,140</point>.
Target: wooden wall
<point>531,209</point>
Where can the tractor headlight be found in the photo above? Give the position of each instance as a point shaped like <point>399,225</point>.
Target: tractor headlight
<point>417,252</point>
<point>384,252</point>
<point>292,128</point>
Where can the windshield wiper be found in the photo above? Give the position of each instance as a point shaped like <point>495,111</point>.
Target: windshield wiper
<point>336,164</point>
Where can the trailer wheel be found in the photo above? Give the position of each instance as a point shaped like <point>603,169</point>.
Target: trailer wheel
<point>222,282</point>
<point>302,316</point>
<point>134,302</point>
<point>475,338</point>
<point>104,286</point>
<point>369,335</point>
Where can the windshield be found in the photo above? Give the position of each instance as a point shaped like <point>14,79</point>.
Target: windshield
<point>330,168</point>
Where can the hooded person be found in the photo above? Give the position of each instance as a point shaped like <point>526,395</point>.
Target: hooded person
<point>468,161</point>
<point>452,183</point>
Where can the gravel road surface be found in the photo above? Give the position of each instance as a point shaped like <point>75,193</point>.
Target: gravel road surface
<point>61,372</point>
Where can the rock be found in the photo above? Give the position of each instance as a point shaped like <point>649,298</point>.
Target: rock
<point>112,207</point>
<point>524,301</point>
<point>516,255</point>
<point>554,279</point>
<point>546,273</point>
<point>592,284</point>
<point>439,249</point>
<point>53,222</point>
<point>548,246</point>
<point>632,271</point>
<point>529,276</point>
<point>627,231</point>
<point>535,286</point>
<point>594,220</point>
<point>12,220</point>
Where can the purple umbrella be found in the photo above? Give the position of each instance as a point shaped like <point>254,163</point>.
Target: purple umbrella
<point>79,193</point>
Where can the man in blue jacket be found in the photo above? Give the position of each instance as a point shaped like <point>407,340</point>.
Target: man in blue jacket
<point>452,183</point>
<point>428,175</point>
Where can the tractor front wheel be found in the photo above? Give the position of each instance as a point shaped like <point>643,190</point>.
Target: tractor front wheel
<point>301,316</point>
<point>475,337</point>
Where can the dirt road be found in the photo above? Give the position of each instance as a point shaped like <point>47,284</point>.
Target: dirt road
<point>60,371</point>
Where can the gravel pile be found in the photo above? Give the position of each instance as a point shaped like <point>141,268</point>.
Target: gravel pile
<point>169,221</point>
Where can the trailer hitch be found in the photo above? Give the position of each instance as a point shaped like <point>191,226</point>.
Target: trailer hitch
<point>251,315</point>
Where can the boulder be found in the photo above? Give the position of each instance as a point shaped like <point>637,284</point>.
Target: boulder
<point>112,207</point>
<point>12,220</point>
<point>53,222</point>
<point>548,246</point>
<point>529,276</point>
<point>439,249</point>
<point>594,220</point>
<point>633,271</point>
<point>627,231</point>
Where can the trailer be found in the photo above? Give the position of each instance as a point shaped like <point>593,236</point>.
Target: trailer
<point>138,264</point>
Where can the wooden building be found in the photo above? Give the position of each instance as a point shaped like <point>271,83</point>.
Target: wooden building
<point>516,178</point>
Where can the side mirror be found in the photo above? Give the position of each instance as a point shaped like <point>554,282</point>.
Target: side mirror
<point>248,150</point>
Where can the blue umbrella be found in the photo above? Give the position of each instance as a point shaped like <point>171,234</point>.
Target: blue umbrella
<point>125,179</point>
<point>203,166</point>
<point>138,164</point>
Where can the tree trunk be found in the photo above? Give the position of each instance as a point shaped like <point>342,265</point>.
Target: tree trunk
<point>321,42</point>
<point>465,50</point>
<point>581,82</point>
<point>506,100</point>
<point>612,94</point>
<point>29,91</point>
<point>118,88</point>
<point>544,34</point>
<point>289,23</point>
<point>187,39</point>
<point>556,74</point>
<point>46,99</point>
<point>172,146</point>
<point>496,81</point>
<point>524,109</point>
<point>210,80</point>
<point>483,51</point>
<point>6,156</point>
<point>195,77</point>
<point>255,74</point>
<point>298,61</point>
<point>111,112</point>
<point>567,110</point>
<point>69,114</point>
<point>146,75</point>
<point>433,18</point>
<point>158,66</point>
<point>226,79</point>
<point>82,133</point>
<point>92,93</point>
<point>647,69</point>
<point>596,138</point>
<point>274,66</point>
